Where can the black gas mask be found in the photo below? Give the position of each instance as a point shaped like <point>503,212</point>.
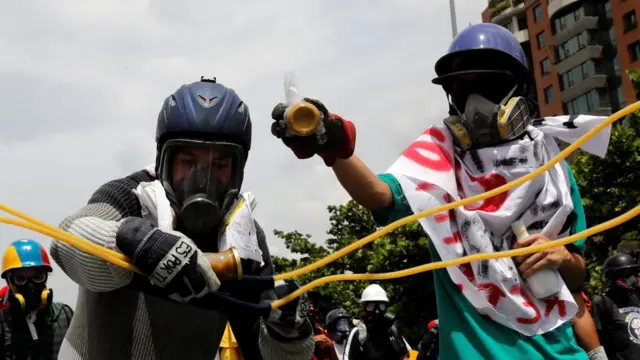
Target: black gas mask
<point>29,292</point>
<point>376,316</point>
<point>202,180</point>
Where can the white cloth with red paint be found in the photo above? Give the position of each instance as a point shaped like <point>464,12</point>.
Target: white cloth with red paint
<point>430,177</point>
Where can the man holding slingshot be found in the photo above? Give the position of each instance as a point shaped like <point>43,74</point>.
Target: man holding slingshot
<point>487,309</point>
<point>174,221</point>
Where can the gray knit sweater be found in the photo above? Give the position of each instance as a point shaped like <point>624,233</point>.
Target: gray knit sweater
<point>114,321</point>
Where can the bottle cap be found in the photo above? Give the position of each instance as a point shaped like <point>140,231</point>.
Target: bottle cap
<point>302,118</point>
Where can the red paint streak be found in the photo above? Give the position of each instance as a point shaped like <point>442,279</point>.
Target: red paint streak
<point>442,161</point>
<point>489,182</point>
<point>493,293</point>
<point>455,239</point>
<point>425,186</point>
<point>467,270</point>
<point>442,217</point>
<point>435,133</point>
<point>551,303</point>
<point>528,302</point>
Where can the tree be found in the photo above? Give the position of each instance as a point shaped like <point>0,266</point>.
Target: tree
<point>412,298</point>
<point>634,76</point>
<point>609,188</point>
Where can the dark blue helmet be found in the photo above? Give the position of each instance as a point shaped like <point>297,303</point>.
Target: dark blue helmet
<point>205,110</point>
<point>334,315</point>
<point>484,48</point>
<point>203,138</point>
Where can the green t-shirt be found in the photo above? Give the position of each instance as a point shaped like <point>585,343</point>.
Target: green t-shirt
<point>464,334</point>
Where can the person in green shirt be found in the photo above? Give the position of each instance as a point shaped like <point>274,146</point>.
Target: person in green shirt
<point>483,59</point>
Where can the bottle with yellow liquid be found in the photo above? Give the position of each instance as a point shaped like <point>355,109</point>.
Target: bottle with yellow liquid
<point>301,117</point>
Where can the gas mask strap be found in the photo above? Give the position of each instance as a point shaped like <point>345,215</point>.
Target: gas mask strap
<point>506,98</point>
<point>452,104</point>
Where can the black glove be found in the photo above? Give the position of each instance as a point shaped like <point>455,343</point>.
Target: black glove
<point>341,135</point>
<point>168,259</point>
<point>290,321</point>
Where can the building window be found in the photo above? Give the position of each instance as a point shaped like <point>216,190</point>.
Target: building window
<point>607,9</point>
<point>542,40</point>
<point>634,51</point>
<point>521,21</point>
<point>537,13</point>
<point>577,74</point>
<point>548,94</point>
<point>573,45</point>
<point>545,66</point>
<point>568,20</point>
<point>630,21</point>
<point>586,103</point>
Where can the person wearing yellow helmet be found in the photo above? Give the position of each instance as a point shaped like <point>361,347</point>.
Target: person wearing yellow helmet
<point>32,325</point>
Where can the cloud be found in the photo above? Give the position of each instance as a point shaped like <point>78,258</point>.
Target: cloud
<point>82,84</point>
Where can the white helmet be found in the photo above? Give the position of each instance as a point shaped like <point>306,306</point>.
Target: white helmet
<point>374,292</point>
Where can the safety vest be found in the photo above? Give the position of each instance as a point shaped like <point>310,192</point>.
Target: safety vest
<point>229,346</point>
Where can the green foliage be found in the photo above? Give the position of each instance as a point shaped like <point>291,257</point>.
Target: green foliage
<point>500,7</point>
<point>634,75</point>
<point>413,298</point>
<point>494,3</point>
<point>609,188</point>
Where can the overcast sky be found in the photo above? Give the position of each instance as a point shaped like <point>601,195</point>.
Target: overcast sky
<point>82,81</point>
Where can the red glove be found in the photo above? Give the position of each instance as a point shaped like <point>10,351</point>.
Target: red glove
<point>340,133</point>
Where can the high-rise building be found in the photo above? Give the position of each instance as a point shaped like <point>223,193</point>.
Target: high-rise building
<point>578,50</point>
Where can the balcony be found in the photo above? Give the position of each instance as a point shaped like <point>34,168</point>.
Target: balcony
<point>522,36</point>
<point>556,5</point>
<point>603,110</point>
<point>589,52</point>
<point>592,82</point>
<point>502,10</point>
<point>586,23</point>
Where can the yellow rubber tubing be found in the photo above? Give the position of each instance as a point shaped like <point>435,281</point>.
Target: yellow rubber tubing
<point>409,219</point>
<point>462,260</point>
<point>121,260</point>
<point>77,242</point>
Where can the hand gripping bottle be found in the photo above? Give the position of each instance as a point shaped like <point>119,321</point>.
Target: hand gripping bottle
<point>302,118</point>
<point>546,282</point>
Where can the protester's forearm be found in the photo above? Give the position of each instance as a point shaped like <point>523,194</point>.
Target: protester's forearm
<point>583,326</point>
<point>573,271</point>
<point>362,184</point>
